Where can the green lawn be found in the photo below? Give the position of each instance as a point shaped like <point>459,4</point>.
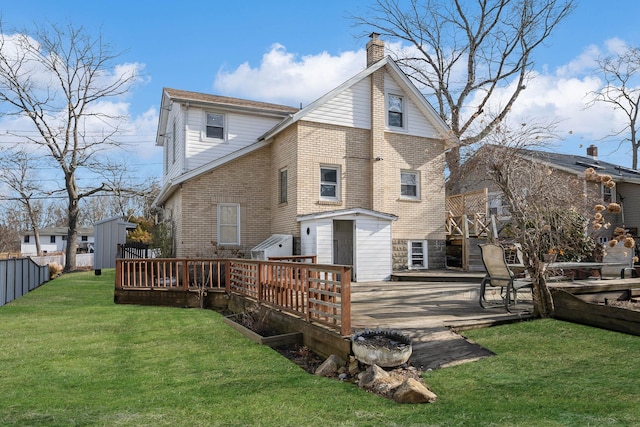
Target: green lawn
<point>69,356</point>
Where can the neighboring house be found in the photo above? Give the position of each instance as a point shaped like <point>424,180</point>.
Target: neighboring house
<point>54,240</point>
<point>356,177</point>
<point>626,192</point>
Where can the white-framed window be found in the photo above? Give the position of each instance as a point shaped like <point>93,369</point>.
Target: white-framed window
<point>417,254</point>
<point>283,185</point>
<point>410,184</point>
<point>330,183</point>
<point>228,224</point>
<point>26,238</point>
<point>84,238</point>
<point>52,239</point>
<point>608,196</point>
<point>395,111</point>
<point>214,126</point>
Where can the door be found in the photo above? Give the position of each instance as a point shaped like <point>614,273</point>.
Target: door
<point>343,242</point>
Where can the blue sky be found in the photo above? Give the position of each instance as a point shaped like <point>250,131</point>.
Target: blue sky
<point>259,50</point>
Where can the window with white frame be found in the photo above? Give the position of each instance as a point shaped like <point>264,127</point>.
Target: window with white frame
<point>214,126</point>
<point>608,196</point>
<point>229,224</point>
<point>417,254</point>
<point>283,186</point>
<point>395,110</point>
<point>26,238</point>
<point>410,184</point>
<point>52,239</point>
<point>330,183</point>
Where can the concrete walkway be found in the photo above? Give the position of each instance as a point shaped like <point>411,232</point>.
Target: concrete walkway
<point>429,311</point>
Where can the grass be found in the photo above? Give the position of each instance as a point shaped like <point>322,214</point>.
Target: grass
<point>70,357</point>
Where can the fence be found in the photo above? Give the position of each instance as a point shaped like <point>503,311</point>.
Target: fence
<point>19,276</point>
<point>313,292</point>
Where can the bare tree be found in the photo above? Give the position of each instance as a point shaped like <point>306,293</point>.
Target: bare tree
<point>60,79</point>
<point>16,172</point>
<point>473,56</point>
<point>622,91</point>
<point>549,213</point>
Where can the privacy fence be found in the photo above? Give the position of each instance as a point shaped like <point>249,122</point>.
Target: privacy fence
<point>19,276</point>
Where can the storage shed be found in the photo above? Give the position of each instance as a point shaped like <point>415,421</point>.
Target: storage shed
<point>360,238</point>
<point>108,234</point>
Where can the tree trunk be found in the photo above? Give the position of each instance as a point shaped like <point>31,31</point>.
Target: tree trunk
<point>72,235</point>
<point>455,171</point>
<point>542,300</point>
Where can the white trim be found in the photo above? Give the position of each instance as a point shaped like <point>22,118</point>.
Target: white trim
<point>338,183</point>
<point>203,133</point>
<point>237,225</point>
<point>417,176</point>
<point>425,253</point>
<point>405,116</point>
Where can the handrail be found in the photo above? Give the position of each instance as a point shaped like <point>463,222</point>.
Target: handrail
<point>318,293</point>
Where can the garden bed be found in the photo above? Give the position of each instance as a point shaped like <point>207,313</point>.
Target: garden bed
<point>261,335</point>
<point>609,309</point>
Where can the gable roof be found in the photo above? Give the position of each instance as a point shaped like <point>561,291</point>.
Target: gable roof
<point>291,116</point>
<point>577,164</point>
<point>212,101</point>
<point>400,77</point>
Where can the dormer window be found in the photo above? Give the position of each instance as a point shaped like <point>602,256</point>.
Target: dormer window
<point>214,126</point>
<point>395,111</point>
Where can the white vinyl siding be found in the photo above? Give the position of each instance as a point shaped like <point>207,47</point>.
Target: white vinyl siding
<point>241,131</point>
<point>415,121</point>
<point>350,108</point>
<point>373,250</point>
<point>174,143</point>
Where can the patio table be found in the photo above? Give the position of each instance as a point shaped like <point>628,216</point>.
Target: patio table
<point>577,266</point>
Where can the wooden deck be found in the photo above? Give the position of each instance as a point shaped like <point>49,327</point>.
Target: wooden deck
<point>429,310</point>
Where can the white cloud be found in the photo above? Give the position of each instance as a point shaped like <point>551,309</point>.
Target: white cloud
<point>287,78</point>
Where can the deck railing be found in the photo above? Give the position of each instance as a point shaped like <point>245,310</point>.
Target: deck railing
<point>314,292</point>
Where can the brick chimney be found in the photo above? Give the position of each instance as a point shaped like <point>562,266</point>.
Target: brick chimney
<point>592,151</point>
<point>375,49</point>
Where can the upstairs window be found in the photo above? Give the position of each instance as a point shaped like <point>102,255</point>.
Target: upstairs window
<point>84,238</point>
<point>214,126</point>
<point>26,238</point>
<point>52,239</point>
<point>329,186</point>
<point>409,185</point>
<point>395,111</point>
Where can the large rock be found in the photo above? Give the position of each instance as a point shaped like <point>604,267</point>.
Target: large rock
<point>413,391</point>
<point>330,367</point>
<point>374,374</point>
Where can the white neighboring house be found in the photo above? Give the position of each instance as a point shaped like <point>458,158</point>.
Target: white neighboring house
<point>54,240</point>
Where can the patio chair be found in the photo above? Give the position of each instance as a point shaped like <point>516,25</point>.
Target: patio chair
<point>499,275</point>
<point>621,255</point>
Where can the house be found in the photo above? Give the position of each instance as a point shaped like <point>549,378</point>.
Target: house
<point>568,166</point>
<point>54,240</point>
<point>355,178</point>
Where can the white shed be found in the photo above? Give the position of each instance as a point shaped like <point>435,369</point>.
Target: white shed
<point>357,237</point>
<point>108,234</point>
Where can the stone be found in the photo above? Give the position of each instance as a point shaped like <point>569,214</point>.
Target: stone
<point>353,367</point>
<point>330,366</point>
<point>371,376</point>
<point>413,391</point>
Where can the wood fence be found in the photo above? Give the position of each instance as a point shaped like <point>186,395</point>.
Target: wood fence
<point>19,276</point>
<point>313,292</point>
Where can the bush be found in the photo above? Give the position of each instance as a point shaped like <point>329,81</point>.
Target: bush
<point>54,269</point>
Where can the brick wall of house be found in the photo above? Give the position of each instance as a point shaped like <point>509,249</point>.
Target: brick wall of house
<point>329,145</point>
<point>284,155</point>
<point>246,182</point>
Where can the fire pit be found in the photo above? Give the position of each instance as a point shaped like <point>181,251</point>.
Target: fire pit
<point>384,348</point>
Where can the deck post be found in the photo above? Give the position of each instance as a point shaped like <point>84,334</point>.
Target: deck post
<point>345,301</point>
